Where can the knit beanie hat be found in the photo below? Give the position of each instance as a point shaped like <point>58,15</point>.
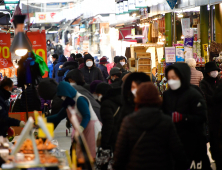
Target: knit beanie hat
<point>147,93</point>
<point>94,84</point>
<point>71,59</point>
<point>103,88</point>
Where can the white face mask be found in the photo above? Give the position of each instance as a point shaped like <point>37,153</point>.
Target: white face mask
<point>122,63</point>
<point>134,92</point>
<point>95,96</point>
<point>100,97</point>
<point>214,74</point>
<point>89,63</point>
<point>174,84</point>
<point>63,98</point>
<point>73,84</point>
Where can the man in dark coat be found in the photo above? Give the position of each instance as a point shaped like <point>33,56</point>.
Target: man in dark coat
<point>115,77</point>
<point>187,108</point>
<point>148,139</point>
<point>89,71</point>
<point>102,67</point>
<point>75,78</point>
<point>47,90</point>
<point>61,60</point>
<point>6,87</point>
<point>54,62</point>
<point>210,87</point>
<point>110,112</point>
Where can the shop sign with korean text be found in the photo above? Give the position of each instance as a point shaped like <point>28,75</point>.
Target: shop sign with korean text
<point>47,17</point>
<point>170,54</point>
<point>5,55</point>
<point>38,40</point>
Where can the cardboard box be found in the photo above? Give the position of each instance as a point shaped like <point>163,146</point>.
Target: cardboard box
<point>144,61</point>
<point>20,116</point>
<point>144,68</point>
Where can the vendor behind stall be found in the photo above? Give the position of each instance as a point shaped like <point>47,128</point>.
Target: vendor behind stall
<point>6,87</point>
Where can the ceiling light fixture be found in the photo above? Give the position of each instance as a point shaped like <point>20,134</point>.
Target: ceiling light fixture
<point>20,44</point>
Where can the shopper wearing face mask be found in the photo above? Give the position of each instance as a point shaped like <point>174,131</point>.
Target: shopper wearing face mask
<point>110,112</point>
<point>102,66</point>
<point>6,87</point>
<point>122,64</point>
<point>129,89</point>
<point>209,87</point>
<point>187,108</point>
<point>115,77</point>
<point>89,71</point>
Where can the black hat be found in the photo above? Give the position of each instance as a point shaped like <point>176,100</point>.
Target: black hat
<point>88,56</point>
<point>113,71</point>
<point>102,88</point>
<point>211,66</point>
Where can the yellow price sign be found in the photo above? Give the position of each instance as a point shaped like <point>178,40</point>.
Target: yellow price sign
<point>4,52</point>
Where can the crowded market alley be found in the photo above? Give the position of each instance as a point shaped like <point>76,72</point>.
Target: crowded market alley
<point>110,85</point>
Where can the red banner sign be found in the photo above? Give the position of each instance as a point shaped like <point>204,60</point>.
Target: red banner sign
<point>5,55</point>
<point>38,40</point>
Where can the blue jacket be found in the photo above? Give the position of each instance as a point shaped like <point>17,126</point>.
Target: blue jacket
<point>65,89</point>
<point>104,71</point>
<point>61,60</point>
<point>5,121</point>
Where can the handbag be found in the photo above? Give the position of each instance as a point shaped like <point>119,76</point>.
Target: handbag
<point>99,136</point>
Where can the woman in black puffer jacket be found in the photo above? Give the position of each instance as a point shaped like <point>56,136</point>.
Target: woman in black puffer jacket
<point>148,139</point>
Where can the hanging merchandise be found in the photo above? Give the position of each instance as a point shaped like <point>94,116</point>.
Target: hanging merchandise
<point>180,54</point>
<point>5,55</point>
<point>188,37</point>
<point>121,7</point>
<point>170,55</point>
<point>141,4</point>
<point>132,5</point>
<point>125,6</point>
<point>38,40</point>
<point>117,8</point>
<point>42,65</point>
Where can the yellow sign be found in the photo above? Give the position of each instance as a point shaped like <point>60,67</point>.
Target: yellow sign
<point>205,50</point>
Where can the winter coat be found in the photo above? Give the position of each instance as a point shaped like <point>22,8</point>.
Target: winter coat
<point>156,150</point>
<point>22,72</point>
<point>81,66</point>
<point>208,85</point>
<point>128,105</point>
<point>117,83</point>
<point>5,120</point>
<point>196,76</point>
<point>47,90</point>
<point>190,103</point>
<point>70,65</point>
<point>211,89</point>
<point>61,60</point>
<point>109,105</point>
<point>53,71</point>
<point>94,103</point>
<point>59,49</point>
<point>91,74</point>
<point>104,71</point>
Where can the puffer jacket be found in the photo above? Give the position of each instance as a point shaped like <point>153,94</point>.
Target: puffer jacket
<point>196,77</point>
<point>191,105</point>
<point>156,150</point>
<point>110,105</point>
<point>61,61</point>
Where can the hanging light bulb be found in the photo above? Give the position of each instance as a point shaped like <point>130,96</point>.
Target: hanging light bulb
<point>182,37</point>
<point>20,44</point>
<point>180,15</point>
